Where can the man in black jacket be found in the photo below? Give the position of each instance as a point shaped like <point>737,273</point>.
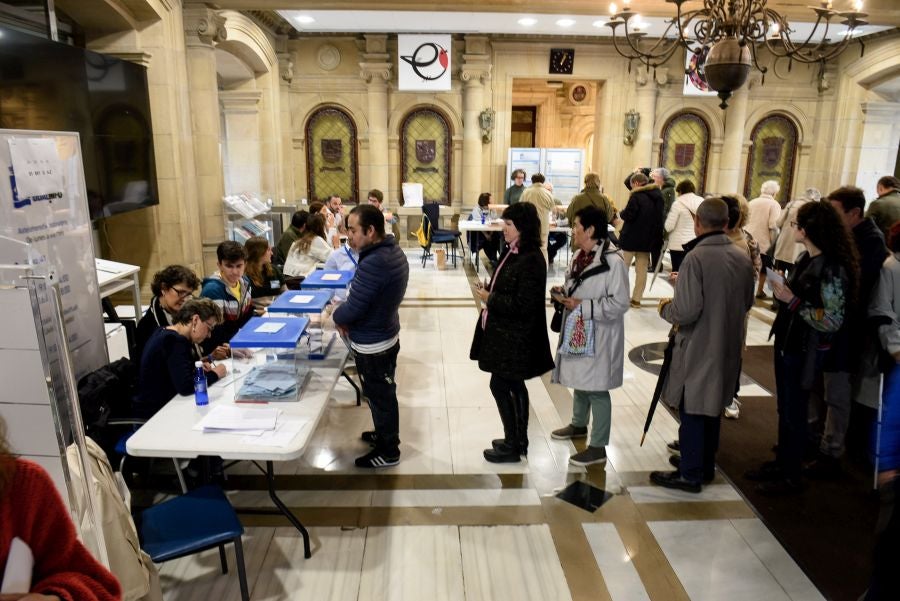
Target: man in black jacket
<point>643,230</point>
<point>843,368</point>
<point>371,319</point>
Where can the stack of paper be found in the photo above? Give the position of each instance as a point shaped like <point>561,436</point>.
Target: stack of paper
<point>239,420</point>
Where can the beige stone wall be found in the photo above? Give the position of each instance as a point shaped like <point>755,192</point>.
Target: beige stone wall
<point>848,125</point>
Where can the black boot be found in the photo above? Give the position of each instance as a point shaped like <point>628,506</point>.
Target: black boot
<point>505,450</point>
<point>520,398</point>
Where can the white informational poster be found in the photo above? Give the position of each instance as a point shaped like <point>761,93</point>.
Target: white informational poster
<point>43,202</point>
<point>424,62</point>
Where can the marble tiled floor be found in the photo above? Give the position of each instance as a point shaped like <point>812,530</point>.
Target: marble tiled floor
<point>445,524</point>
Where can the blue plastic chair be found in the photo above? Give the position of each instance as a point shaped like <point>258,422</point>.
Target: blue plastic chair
<point>196,521</point>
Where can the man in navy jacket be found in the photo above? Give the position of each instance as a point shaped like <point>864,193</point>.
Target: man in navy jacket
<point>370,317</point>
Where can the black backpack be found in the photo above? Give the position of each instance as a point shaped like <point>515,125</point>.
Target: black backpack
<point>106,392</point>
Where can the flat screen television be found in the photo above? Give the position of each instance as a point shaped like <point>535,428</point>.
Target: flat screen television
<point>46,85</point>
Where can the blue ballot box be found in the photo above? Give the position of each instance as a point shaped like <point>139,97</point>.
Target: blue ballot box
<point>327,278</point>
<point>266,363</point>
<point>314,305</point>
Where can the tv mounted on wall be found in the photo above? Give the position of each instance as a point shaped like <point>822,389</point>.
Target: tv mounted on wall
<point>46,85</point>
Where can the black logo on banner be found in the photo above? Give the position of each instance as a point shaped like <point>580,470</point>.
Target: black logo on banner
<point>429,61</point>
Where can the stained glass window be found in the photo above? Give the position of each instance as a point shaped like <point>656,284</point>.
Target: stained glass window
<point>685,148</point>
<point>331,159</point>
<point>773,151</point>
<point>425,153</point>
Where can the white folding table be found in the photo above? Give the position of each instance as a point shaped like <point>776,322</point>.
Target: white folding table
<point>170,433</point>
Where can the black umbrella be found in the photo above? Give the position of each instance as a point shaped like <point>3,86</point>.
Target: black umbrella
<point>663,373</point>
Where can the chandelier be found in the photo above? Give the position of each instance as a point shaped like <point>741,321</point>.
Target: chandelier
<point>729,35</point>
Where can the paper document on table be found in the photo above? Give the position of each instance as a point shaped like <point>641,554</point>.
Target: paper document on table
<point>238,419</point>
<point>280,437</point>
<point>303,299</point>
<point>330,277</point>
<point>19,565</point>
<point>269,328</point>
<point>772,278</point>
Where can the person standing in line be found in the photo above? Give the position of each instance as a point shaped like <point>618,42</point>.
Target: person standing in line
<point>32,511</point>
<point>713,292</point>
<point>812,307</point>
<point>786,247</point>
<point>510,340</point>
<point>853,347</point>
<point>662,178</point>
<point>680,220</point>
<point>514,192</point>
<point>597,286</point>
<point>762,225</point>
<point>643,230</point>
<point>885,209</point>
<point>542,199</point>
<point>591,196</point>
<point>370,317</point>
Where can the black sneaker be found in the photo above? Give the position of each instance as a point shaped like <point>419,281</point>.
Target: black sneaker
<point>369,436</point>
<point>675,461</point>
<point>375,459</point>
<point>674,448</point>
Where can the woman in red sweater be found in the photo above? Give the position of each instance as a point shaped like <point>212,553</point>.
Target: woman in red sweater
<point>31,509</point>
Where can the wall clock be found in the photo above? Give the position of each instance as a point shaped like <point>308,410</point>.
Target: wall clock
<point>562,60</point>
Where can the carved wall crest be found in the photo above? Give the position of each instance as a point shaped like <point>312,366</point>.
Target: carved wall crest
<point>332,150</point>
<point>426,150</point>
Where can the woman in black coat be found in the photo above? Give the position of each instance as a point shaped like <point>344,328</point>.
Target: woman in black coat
<point>511,334</point>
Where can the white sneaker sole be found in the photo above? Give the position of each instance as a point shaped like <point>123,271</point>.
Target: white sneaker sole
<point>574,461</point>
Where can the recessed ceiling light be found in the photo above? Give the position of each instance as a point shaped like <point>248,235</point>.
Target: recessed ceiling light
<point>566,22</point>
<point>527,21</point>
<point>304,19</point>
<point>599,23</point>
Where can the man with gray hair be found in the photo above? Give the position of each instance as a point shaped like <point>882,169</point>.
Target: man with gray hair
<point>762,224</point>
<point>713,292</point>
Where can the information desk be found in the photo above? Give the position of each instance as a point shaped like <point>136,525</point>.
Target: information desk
<point>170,432</point>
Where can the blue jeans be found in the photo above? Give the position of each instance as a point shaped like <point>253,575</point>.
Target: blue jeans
<point>598,403</point>
<point>376,372</point>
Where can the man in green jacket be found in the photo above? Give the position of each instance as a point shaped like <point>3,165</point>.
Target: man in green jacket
<point>590,196</point>
<point>885,210</point>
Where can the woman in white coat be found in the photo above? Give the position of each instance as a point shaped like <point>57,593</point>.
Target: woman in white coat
<point>680,221</point>
<point>597,285</point>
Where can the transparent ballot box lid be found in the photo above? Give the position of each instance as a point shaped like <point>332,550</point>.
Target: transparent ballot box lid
<point>327,278</point>
<point>316,306</point>
<point>268,360</point>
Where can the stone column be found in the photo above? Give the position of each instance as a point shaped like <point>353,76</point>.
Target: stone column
<point>647,90</point>
<point>203,28</point>
<point>475,71</point>
<point>375,69</point>
<point>730,168</point>
<point>241,144</point>
<point>286,73</point>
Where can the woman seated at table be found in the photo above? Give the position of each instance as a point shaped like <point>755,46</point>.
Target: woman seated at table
<point>171,287</point>
<point>265,279</point>
<point>486,241</point>
<point>167,366</point>
<point>309,250</point>
<point>332,236</point>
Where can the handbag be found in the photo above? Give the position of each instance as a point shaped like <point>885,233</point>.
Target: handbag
<point>559,308</point>
<point>578,337</point>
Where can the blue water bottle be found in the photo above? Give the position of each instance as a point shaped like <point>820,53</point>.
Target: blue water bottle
<point>200,395</point>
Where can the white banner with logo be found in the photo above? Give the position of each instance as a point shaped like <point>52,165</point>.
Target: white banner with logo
<point>424,62</point>
<point>43,202</point>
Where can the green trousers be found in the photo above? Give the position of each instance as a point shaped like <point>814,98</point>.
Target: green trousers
<point>599,403</point>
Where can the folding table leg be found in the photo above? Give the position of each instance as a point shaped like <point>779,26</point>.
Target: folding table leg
<point>355,387</point>
<point>270,478</point>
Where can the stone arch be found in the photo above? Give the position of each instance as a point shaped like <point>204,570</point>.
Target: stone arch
<point>323,161</point>
<point>793,112</point>
<point>248,42</point>
<point>696,165</point>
